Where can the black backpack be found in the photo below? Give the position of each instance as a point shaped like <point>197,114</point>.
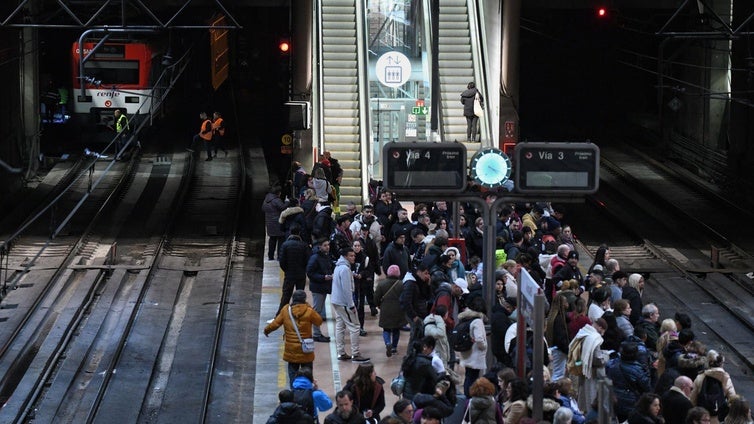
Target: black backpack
<point>305,398</point>
<point>461,335</point>
<point>712,397</point>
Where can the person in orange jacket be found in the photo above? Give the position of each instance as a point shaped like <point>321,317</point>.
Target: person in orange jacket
<point>218,133</point>
<point>305,317</point>
<point>205,134</point>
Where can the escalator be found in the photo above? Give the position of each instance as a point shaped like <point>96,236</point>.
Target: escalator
<point>342,114</point>
<point>460,62</point>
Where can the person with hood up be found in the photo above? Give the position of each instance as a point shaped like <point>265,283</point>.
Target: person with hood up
<point>472,121</point>
<point>294,215</point>
<point>305,317</point>
<point>457,270</point>
<point>345,310</point>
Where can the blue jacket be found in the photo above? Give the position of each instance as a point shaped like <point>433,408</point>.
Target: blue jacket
<point>630,380</point>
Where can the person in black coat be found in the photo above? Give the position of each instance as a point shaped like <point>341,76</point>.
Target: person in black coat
<point>288,411</point>
<point>294,215</point>
<point>420,376</point>
<point>319,269</point>
<point>323,225</point>
<point>632,293</point>
<point>363,280</point>
<point>396,253</point>
<point>415,298</point>
<point>647,410</point>
<point>499,323</point>
<point>676,400</point>
<point>443,399</point>
<point>272,206</point>
<point>294,257</point>
<point>472,121</point>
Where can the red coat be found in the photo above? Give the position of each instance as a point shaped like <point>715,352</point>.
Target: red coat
<point>305,316</point>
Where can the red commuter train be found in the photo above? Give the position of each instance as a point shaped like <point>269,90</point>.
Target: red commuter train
<point>119,75</point>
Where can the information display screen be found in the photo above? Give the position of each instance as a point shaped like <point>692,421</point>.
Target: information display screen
<point>424,168</point>
<point>557,168</point>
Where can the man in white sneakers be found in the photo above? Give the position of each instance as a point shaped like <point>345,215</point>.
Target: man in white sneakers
<point>345,309</point>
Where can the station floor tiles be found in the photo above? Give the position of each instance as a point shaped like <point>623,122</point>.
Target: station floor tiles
<point>330,373</point>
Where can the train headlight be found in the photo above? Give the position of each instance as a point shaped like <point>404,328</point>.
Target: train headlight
<point>84,99</point>
<point>132,99</point>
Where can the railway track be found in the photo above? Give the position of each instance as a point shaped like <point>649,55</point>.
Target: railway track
<point>138,335</point>
<point>695,262</point>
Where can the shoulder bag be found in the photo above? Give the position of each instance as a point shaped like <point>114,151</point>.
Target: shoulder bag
<point>478,109</point>
<point>307,345</point>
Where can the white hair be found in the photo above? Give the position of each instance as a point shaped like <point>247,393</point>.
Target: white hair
<point>562,416</point>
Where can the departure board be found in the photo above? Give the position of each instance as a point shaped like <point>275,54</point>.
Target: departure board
<point>424,168</point>
<point>557,168</point>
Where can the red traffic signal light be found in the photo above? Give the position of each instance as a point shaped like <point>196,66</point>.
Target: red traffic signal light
<point>284,46</point>
<point>601,12</point>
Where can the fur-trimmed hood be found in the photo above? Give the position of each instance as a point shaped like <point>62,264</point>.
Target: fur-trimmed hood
<point>548,404</point>
<point>469,313</point>
<point>692,361</point>
<point>293,210</point>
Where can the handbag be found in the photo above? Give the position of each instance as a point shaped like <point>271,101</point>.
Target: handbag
<point>307,345</point>
<point>478,109</point>
<point>397,385</point>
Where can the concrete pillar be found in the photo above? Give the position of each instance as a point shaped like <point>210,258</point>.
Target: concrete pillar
<point>30,94</point>
<point>303,44</point>
<point>741,126</point>
<point>718,81</point>
<point>510,65</point>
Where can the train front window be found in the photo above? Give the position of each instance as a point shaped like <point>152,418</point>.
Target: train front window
<point>113,72</point>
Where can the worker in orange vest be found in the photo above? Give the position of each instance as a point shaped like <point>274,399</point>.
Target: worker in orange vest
<point>218,133</point>
<point>205,134</point>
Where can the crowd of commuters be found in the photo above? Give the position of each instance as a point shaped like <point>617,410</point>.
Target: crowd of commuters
<point>403,268</point>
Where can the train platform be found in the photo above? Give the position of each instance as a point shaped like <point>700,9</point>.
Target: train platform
<point>330,373</point>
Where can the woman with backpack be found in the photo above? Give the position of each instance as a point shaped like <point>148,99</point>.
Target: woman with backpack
<point>474,360</point>
<point>714,393</point>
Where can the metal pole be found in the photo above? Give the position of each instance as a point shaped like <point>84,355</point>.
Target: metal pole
<point>538,357</point>
<point>520,334</point>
